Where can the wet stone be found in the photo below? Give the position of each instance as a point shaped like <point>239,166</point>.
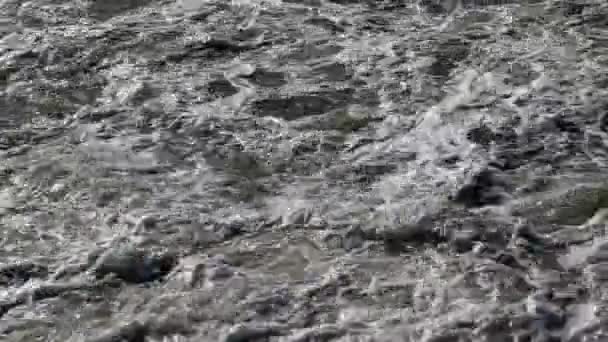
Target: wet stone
<point>450,161</point>
<point>398,240</point>
<point>347,2</point>
<point>368,97</point>
<point>19,273</point>
<point>574,206</point>
<point>447,56</point>
<point>511,285</point>
<point>325,23</point>
<point>506,134</point>
<point>565,124</point>
<point>376,24</point>
<point>266,305</point>
<point>487,3</point>
<point>354,238</point>
<point>438,6</point>
<point>15,114</point>
<point>529,234</point>
<point>548,314</point>
<point>106,9</point>
<point>229,230</point>
<point>476,16</point>
<point>520,74</point>
<point>536,184</point>
<point>464,241</point>
<point>234,160</point>
<point>572,8</point>
<point>131,93</point>
<point>596,274</point>
<point>598,254</point>
<point>396,294</point>
<point>313,51</point>
<point>483,189</point>
<point>311,3</point>
<point>303,147</point>
<point>250,332</point>
<point>333,241</point>
<point>508,258</point>
<point>514,157</point>
<point>321,333</point>
<point>172,323</point>
<point>198,235</point>
<point>371,172</point>
<point>135,266</point>
<point>221,88</point>
<point>249,34</point>
<point>200,16</point>
<point>214,48</point>
<point>219,272</point>
<point>482,135</point>
<point>190,271</point>
<point>333,72</point>
<point>131,332</point>
<point>267,78</point>
<point>298,106</point>
<point>7,202</point>
<point>604,121</point>
<point>347,121</point>
<point>569,295</point>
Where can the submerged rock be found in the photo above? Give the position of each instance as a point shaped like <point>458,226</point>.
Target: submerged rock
<point>249,332</point>
<point>574,205</point>
<point>483,189</point>
<point>132,332</point>
<point>104,10</point>
<point>135,266</point>
<point>20,272</point>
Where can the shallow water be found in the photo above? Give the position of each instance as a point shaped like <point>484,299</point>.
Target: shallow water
<point>311,170</point>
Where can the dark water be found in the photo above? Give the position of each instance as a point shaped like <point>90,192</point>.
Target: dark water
<point>314,170</point>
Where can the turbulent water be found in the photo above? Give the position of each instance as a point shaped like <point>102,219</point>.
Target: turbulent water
<point>303,170</point>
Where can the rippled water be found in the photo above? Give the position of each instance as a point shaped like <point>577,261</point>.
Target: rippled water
<point>303,170</point>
